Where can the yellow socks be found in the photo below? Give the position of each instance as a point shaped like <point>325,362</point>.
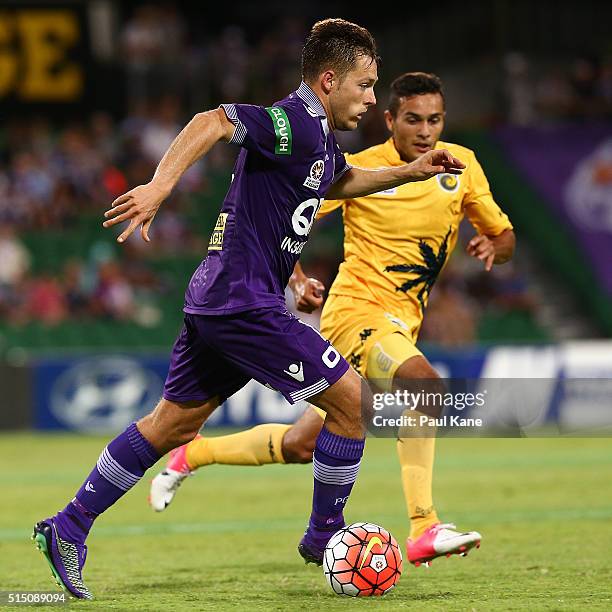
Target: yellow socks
<point>416,457</point>
<point>256,446</point>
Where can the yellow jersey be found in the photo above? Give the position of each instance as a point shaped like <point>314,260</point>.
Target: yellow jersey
<point>397,241</point>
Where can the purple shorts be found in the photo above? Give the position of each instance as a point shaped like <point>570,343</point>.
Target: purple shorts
<point>218,355</point>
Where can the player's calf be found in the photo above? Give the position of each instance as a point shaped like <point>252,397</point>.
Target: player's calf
<point>173,424</point>
<point>299,441</point>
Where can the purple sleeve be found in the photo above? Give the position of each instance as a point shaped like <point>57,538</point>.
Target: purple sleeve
<point>273,132</point>
<point>341,166</point>
<point>254,128</point>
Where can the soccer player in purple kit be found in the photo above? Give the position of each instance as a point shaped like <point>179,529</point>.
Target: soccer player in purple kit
<point>236,325</point>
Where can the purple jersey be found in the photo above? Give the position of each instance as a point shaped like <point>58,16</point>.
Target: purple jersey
<point>288,161</point>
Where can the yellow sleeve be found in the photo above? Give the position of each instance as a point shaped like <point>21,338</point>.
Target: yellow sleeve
<point>329,206</point>
<point>478,203</point>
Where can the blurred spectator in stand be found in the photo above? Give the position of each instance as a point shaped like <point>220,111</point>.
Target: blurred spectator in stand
<point>45,301</point>
<point>171,65</point>
<point>584,81</point>
<point>76,295</point>
<point>14,303</point>
<point>229,65</point>
<point>604,86</point>
<point>158,134</point>
<point>104,136</point>
<point>131,128</point>
<point>450,319</point>
<point>161,129</point>
<point>114,296</point>
<point>16,260</point>
<point>14,256</point>
<point>40,138</point>
<point>554,95</point>
<point>505,290</point>
<point>80,163</point>
<point>142,46</point>
<point>518,90</point>
<point>31,189</point>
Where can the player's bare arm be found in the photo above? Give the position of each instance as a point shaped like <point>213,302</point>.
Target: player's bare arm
<point>307,292</point>
<point>139,205</point>
<point>492,249</point>
<point>358,182</point>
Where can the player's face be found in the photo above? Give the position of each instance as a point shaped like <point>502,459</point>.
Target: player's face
<point>353,94</point>
<point>417,125</point>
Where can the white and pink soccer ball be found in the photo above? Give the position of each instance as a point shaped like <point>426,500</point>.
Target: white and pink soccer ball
<point>362,560</point>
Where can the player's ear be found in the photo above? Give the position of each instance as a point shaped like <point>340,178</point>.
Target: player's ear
<point>328,78</point>
<point>389,120</point>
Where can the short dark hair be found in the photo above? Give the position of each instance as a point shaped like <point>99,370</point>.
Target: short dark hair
<point>413,84</point>
<point>336,44</point>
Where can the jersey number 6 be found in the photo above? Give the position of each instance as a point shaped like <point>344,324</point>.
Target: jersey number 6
<point>302,223</point>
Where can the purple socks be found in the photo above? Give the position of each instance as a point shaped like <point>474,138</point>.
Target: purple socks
<point>120,466</point>
<point>336,462</point>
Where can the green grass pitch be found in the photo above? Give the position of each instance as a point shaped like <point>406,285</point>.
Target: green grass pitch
<point>544,507</point>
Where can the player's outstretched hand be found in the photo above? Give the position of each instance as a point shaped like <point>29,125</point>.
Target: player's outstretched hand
<point>435,162</point>
<point>308,294</point>
<point>482,248</point>
<point>139,206</point>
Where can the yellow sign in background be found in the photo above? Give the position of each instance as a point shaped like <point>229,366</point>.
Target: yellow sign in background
<point>37,55</point>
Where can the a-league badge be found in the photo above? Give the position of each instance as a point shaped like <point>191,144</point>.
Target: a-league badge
<point>313,181</point>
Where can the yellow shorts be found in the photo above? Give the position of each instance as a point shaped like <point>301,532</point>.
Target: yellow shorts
<point>375,342</point>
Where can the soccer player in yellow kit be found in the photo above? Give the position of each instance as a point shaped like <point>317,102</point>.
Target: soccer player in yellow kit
<point>396,243</point>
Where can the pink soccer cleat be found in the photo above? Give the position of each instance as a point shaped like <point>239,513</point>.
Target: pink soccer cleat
<point>164,485</point>
<point>440,539</point>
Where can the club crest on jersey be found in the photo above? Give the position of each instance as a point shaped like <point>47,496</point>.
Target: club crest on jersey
<point>313,180</point>
<point>448,182</point>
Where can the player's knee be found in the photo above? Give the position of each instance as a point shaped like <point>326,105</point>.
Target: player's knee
<point>296,448</point>
<point>348,405</point>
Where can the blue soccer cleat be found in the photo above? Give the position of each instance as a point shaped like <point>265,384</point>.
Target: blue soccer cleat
<point>66,559</point>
